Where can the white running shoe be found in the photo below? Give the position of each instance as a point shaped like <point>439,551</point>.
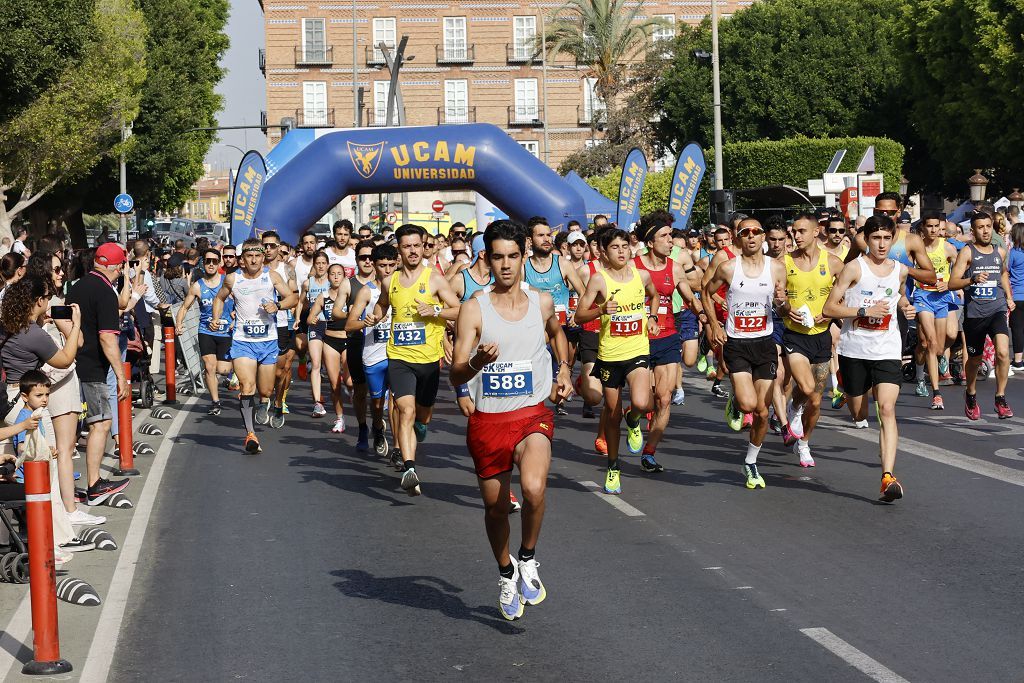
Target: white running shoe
<point>411,482</point>
<point>318,409</point>
<point>82,518</point>
<point>61,557</point>
<point>802,449</point>
<point>530,587</point>
<point>509,601</point>
<point>339,426</point>
<point>860,424</point>
<point>679,397</point>
<point>796,424</point>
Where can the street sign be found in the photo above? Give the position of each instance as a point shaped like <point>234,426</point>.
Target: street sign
<point>437,206</point>
<point>123,203</point>
<point>392,217</point>
<point>438,215</point>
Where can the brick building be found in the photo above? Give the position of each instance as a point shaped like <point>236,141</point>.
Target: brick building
<point>470,62</point>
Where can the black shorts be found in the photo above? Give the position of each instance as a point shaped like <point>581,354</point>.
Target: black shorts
<point>976,329</point>
<point>572,334</point>
<point>587,349</point>
<point>212,345</point>
<point>339,344</point>
<point>303,327</point>
<point>859,375</point>
<point>666,351</point>
<point>354,359</point>
<point>414,379</point>
<point>613,374</point>
<point>285,339</point>
<point>817,348</point>
<point>757,356</point>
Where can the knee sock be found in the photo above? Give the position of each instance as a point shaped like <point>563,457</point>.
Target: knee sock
<point>752,451</point>
<point>247,406</point>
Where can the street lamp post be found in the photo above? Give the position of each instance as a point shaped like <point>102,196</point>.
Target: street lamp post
<point>904,189</point>
<point>717,93</point>
<point>977,184</point>
<point>394,66</point>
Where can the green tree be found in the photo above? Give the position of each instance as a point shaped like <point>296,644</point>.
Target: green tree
<point>76,121</point>
<point>963,63</point>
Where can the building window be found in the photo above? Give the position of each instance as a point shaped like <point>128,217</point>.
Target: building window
<point>456,105</point>
<point>592,142</point>
<point>593,106</point>
<point>525,110</point>
<point>383,30</point>
<point>380,104</point>
<point>531,146</point>
<point>524,33</point>
<point>455,39</point>
<point>314,40</point>
<point>666,32</point>
<point>223,208</point>
<point>314,103</point>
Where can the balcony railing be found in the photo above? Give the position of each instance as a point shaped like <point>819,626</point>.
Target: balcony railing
<point>374,57</point>
<point>314,118</point>
<point>520,115</point>
<point>455,54</point>
<point>521,54</point>
<point>596,118</point>
<point>456,115</point>
<point>314,55</point>
<point>263,61</point>
<point>373,118</point>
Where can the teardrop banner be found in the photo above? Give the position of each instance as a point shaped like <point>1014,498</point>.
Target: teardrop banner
<point>634,173</point>
<point>686,178</point>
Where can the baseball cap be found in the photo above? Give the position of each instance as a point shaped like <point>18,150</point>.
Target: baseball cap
<point>477,246</point>
<point>576,236</point>
<point>904,217</point>
<point>693,232</point>
<point>109,254</point>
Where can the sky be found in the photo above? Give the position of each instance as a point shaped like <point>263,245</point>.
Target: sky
<point>243,87</point>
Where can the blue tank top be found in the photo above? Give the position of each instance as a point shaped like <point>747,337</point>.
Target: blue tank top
<point>550,281</point>
<point>313,290</point>
<point>470,286</point>
<point>705,254</point>
<point>898,252</point>
<point>206,295</point>
<point>1015,264</point>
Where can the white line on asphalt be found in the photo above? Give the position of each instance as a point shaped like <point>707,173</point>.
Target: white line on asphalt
<point>101,652</point>
<point>15,636</point>
<point>951,458</point>
<point>616,502</point>
<point>852,656</point>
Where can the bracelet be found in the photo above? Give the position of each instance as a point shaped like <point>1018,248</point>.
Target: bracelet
<point>470,364</point>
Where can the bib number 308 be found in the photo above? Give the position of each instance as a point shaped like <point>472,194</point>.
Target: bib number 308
<point>254,328</point>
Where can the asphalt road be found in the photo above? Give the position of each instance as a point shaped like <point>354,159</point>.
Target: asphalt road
<point>308,562</point>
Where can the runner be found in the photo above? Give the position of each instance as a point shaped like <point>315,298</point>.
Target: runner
<point>806,340</point>
<point>753,282</point>
<point>503,334</point>
<point>285,320</point>
<point>866,296</point>
<point>214,345</point>
<point>709,264</point>
<point>339,252</point>
<point>352,361</point>
<point>414,293</point>
<point>258,294</point>
<point>686,321</point>
<point>588,386</point>
<point>668,277</point>
<point>776,237</point>
<point>836,242</point>
<point>980,270</point>
<point>377,331</point>
<point>470,278</point>
<point>623,353</point>
<point>303,265</point>
<point>312,289</point>
<point>933,304</point>
<point>334,337</point>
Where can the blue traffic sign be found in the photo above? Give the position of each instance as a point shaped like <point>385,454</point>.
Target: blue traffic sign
<point>123,203</point>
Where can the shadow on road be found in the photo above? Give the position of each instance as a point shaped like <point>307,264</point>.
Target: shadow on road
<point>420,592</point>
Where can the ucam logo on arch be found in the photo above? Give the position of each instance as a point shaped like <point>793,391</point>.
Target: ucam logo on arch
<point>423,160</point>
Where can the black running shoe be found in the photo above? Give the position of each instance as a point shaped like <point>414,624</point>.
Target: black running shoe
<point>380,443</point>
<point>396,459</point>
<point>588,411</point>
<point>103,489</point>
<point>215,408</point>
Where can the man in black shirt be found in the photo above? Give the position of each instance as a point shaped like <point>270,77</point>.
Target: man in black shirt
<point>101,326</point>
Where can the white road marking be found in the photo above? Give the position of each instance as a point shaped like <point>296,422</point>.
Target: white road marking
<point>15,636</point>
<point>616,502</point>
<point>101,652</point>
<point>1005,474</point>
<point>1009,453</point>
<point>852,656</point>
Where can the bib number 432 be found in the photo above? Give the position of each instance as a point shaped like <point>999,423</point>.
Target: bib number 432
<point>409,334</point>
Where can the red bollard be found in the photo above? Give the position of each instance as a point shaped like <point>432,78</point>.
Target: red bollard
<point>46,659</point>
<point>169,365</point>
<point>124,430</point>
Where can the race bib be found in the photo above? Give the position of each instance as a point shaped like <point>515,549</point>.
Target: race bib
<point>350,271</point>
<point>626,325</point>
<point>985,291</point>
<point>381,333</point>
<point>560,312</point>
<point>503,379</point>
<point>409,334</point>
<point>254,328</point>
<point>750,320</point>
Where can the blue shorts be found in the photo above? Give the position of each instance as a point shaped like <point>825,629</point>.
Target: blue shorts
<point>688,325</point>
<point>377,379</point>
<point>938,304</point>
<point>778,327</point>
<point>665,351</point>
<point>264,352</point>
<point>316,332</point>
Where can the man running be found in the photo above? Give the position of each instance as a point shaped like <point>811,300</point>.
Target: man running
<point>258,294</point>
<point>285,325</point>
<point>588,385</point>
<point>214,345</point>
<point>933,304</point>
<point>866,296</point>
<point>339,252</point>
<point>303,265</point>
<point>415,293</point>
<point>352,361</point>
<point>806,339</point>
<point>980,270</point>
<point>753,283</point>
<point>616,293</point>
<point>709,265</point>
<point>835,237</point>
<point>501,350</point>
<point>668,277</point>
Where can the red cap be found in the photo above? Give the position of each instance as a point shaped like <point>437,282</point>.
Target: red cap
<point>109,254</point>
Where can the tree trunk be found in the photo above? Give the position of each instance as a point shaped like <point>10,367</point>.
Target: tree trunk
<point>76,229</point>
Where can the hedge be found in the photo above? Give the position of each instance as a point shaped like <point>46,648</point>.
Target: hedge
<point>768,162</point>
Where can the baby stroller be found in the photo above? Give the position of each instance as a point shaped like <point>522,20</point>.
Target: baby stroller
<point>909,365</point>
<point>138,356</point>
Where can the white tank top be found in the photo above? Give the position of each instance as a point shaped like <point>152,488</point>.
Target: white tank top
<point>375,339</point>
<point>749,303</point>
<point>521,376</point>
<point>347,261</point>
<point>284,318</point>
<point>252,322</point>
<point>873,338</point>
<point>302,269</point>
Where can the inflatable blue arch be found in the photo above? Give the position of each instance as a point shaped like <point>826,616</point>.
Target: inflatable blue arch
<point>313,174</point>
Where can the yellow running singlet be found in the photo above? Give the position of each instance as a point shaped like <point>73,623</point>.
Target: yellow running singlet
<point>939,262</point>
<point>808,287</point>
<point>623,335</point>
<point>414,339</point>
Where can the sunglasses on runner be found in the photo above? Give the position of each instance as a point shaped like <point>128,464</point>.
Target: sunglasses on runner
<point>751,231</point>
<point>836,231</point>
<point>368,256</point>
<point>212,261</point>
<point>270,245</point>
<point>884,212</point>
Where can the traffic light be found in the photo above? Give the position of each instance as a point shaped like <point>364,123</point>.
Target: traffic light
<point>723,203</point>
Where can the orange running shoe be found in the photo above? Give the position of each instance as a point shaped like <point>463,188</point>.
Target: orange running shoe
<point>252,444</point>
<point>513,503</point>
<point>891,489</point>
<point>303,371</point>
<point>601,446</point>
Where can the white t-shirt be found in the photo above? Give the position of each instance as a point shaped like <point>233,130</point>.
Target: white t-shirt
<point>18,247</point>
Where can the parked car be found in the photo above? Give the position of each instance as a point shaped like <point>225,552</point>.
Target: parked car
<point>217,233</point>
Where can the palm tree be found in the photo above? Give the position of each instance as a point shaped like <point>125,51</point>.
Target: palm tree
<point>602,35</point>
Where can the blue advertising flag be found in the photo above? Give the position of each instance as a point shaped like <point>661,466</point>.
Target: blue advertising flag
<point>689,171</point>
<point>252,174</point>
<point>634,173</point>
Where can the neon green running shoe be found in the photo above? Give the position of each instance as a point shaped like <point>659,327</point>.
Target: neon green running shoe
<point>611,482</point>
<point>838,399</point>
<point>733,417</point>
<point>702,364</point>
<point>634,436</point>
<point>753,476</point>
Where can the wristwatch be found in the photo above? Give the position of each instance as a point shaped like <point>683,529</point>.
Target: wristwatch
<point>437,310</point>
<point>862,312</point>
